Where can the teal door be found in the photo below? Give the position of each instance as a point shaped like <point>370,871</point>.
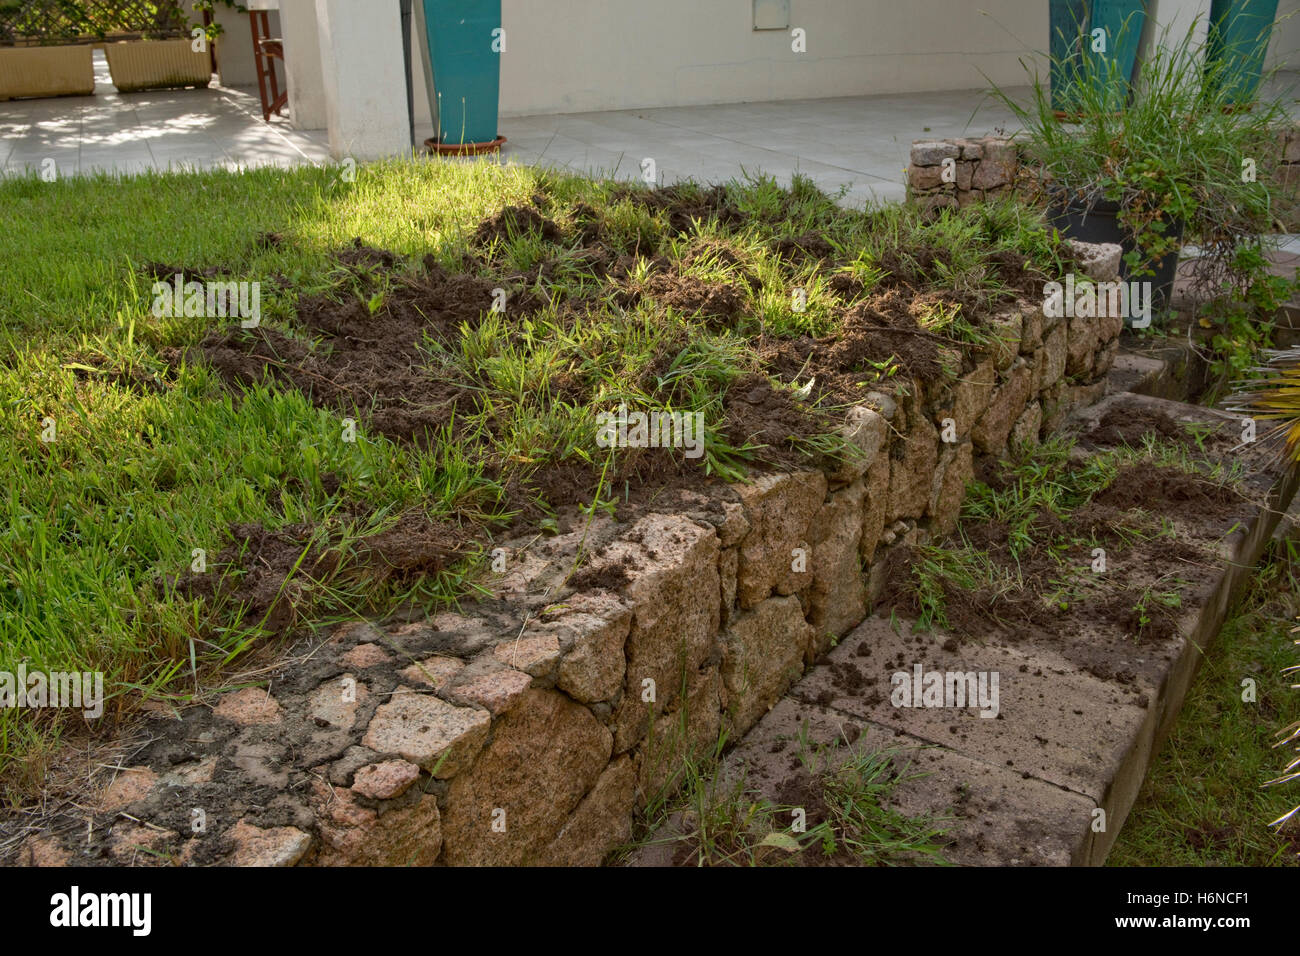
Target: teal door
<point>1115,26</point>
<point>1236,45</point>
<point>1093,49</point>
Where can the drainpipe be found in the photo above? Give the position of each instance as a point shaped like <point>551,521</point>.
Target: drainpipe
<point>406,61</point>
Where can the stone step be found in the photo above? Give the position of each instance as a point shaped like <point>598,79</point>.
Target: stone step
<point>1081,710</point>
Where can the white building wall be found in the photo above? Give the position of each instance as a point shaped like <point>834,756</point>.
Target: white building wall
<point>579,55</point>
<point>1284,46</point>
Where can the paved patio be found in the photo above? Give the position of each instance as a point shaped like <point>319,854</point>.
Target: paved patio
<point>859,144</point>
<point>153,130</point>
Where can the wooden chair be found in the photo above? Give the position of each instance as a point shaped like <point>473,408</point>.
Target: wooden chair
<point>266,50</point>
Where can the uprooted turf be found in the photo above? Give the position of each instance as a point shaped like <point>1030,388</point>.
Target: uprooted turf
<point>436,342</point>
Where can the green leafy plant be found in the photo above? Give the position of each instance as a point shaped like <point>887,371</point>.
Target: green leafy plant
<point>1177,155</point>
<point>1172,154</point>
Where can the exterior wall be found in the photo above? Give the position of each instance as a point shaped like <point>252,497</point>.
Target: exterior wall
<point>584,55</point>
<point>235,45</point>
<point>365,87</point>
<point>579,55</point>
<point>302,63</point>
<point>1284,47</point>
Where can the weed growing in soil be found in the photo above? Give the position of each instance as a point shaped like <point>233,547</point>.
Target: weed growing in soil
<point>718,817</point>
<point>1038,533</point>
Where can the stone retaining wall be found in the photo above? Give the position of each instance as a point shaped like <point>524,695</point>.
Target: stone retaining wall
<point>528,728</point>
<point>952,173</point>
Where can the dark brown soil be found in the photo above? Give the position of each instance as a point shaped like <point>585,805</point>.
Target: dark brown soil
<point>806,246</point>
<point>1130,426</point>
<point>879,329</point>
<point>365,354</point>
<point>276,575</point>
<point>718,303</point>
<point>1125,601</point>
<point>367,363</point>
<point>512,222</point>
<point>684,203</point>
<point>758,414</point>
<point>1148,487</point>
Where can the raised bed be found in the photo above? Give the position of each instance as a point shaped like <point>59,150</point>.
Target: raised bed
<point>586,682</point>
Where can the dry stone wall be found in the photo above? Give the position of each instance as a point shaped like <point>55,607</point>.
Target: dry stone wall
<point>530,727</point>
<point>953,173</point>
<point>957,172</point>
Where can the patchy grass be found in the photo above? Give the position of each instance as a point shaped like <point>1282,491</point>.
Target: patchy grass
<point>1196,808</point>
<point>162,461</point>
<point>1029,508</point>
<point>711,815</point>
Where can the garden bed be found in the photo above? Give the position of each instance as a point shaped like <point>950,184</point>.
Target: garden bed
<point>616,639</point>
<point>1093,663</point>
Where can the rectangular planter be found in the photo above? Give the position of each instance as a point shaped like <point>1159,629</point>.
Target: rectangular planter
<point>156,65</point>
<point>46,71</point>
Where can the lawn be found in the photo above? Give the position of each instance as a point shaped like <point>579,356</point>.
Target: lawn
<point>436,342</point>
<point>1197,808</point>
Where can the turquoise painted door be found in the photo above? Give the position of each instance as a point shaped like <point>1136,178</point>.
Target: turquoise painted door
<point>1116,26</point>
<point>1093,42</point>
<point>1237,42</point>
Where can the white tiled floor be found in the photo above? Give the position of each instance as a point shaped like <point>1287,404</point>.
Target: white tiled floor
<point>857,143</point>
<point>132,132</point>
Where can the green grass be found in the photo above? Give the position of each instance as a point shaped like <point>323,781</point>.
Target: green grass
<point>1043,480</point>
<point>151,463</point>
<point>1197,808</point>
<point>712,815</point>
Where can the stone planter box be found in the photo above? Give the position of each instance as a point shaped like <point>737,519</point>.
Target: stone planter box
<point>156,65</point>
<point>46,71</point>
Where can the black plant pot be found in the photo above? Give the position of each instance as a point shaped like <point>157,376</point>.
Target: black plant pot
<point>1099,222</point>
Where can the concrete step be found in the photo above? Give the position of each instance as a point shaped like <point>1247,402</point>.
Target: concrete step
<point>1081,707</point>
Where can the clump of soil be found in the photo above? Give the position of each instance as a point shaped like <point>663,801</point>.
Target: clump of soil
<point>609,575</point>
<point>1130,426</point>
<point>802,247</point>
<point>758,414</point>
<point>362,256</point>
<point>366,362</point>
<point>880,329</point>
<point>1144,485</point>
<point>276,575</point>
<point>718,303</point>
<point>513,222</point>
<point>683,203</point>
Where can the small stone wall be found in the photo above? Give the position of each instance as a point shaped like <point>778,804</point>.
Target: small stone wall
<point>952,173</point>
<point>528,728</point>
<point>957,172</point>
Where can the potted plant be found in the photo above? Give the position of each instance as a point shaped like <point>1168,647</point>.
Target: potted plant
<point>39,51</point>
<point>168,55</point>
<point>1174,161</point>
